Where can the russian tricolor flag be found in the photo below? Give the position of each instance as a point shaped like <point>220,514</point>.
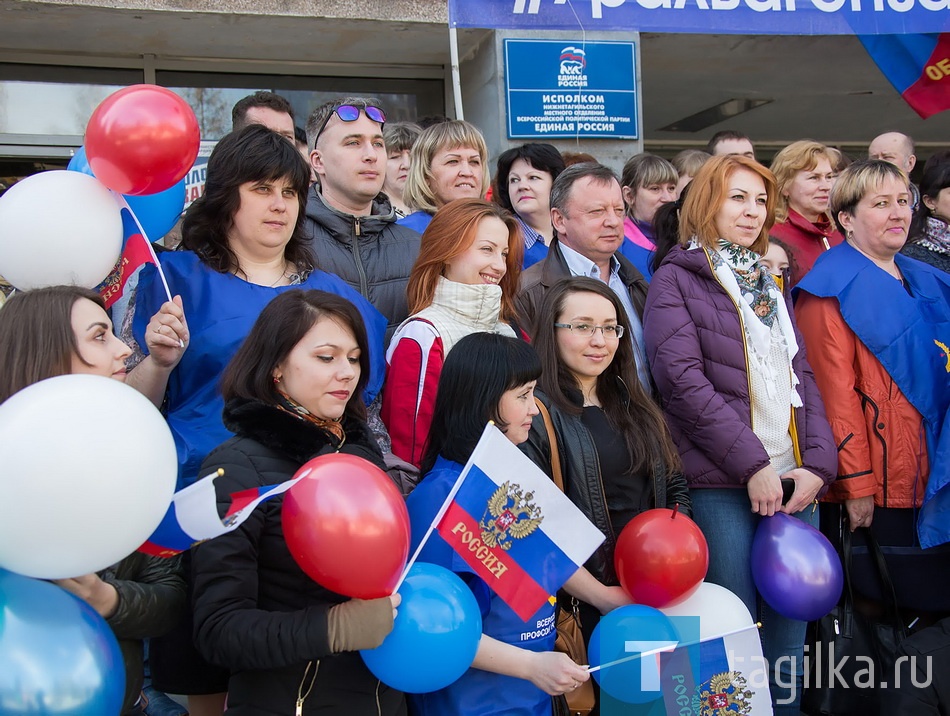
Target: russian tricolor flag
<point>917,65</point>
<point>136,252</point>
<point>513,526</point>
<point>192,516</point>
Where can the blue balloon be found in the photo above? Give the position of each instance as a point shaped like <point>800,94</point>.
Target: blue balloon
<point>79,163</point>
<point>624,633</point>
<point>57,655</point>
<point>436,634</point>
<point>157,213</point>
<point>795,568</point>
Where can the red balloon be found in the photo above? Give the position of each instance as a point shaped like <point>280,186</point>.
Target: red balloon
<point>347,526</point>
<point>142,140</point>
<point>661,558</point>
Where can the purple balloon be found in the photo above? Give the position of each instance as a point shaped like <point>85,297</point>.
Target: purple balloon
<point>795,568</point>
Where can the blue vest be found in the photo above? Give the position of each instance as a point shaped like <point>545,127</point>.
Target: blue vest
<point>477,692</point>
<point>221,309</point>
<point>909,333</point>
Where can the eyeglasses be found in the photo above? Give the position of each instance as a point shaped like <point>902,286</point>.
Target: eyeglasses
<point>587,329</point>
<point>350,113</point>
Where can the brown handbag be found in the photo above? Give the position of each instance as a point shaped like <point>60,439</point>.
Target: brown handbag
<point>570,638</point>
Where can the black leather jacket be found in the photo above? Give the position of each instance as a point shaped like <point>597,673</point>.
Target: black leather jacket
<point>584,484</point>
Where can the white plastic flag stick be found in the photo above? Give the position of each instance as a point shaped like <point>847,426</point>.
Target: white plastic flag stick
<point>442,510</point>
<point>654,652</point>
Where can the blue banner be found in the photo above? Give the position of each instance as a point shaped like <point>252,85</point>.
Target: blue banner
<point>564,88</point>
<point>744,17</point>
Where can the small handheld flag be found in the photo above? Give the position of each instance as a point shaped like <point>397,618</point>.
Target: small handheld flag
<point>512,526</point>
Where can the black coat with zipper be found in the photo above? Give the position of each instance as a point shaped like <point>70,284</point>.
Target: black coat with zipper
<point>583,482</point>
<point>373,254</point>
<point>256,612</point>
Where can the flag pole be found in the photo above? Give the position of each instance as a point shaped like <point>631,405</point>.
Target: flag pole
<point>158,266</point>
<point>654,652</point>
<point>442,510</point>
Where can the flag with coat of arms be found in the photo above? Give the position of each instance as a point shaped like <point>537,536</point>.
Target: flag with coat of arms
<point>513,526</point>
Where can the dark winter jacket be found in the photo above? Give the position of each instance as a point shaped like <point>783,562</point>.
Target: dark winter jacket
<point>696,348</point>
<point>371,253</point>
<point>583,482</point>
<point>256,612</point>
<point>151,599</point>
<point>536,280</point>
<point>928,256</point>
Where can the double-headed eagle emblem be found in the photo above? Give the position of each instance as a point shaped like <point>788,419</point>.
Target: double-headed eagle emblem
<point>510,513</point>
<point>723,695</point>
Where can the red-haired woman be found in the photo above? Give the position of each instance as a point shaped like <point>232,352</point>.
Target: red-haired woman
<point>463,282</point>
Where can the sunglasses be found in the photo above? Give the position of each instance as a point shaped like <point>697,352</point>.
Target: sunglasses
<point>350,113</point>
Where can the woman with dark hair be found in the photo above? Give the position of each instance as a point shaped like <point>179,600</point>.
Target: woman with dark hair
<point>64,330</point>
<point>666,228</point>
<point>523,187</point>
<point>929,236</point>
<point>738,394</point>
<point>648,182</point>
<point>491,377</point>
<point>292,392</point>
<point>242,245</point>
<point>463,282</point>
<point>614,447</point>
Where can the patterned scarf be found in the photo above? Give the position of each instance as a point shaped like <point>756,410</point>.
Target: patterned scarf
<point>291,406</point>
<point>756,284</point>
<point>936,236</point>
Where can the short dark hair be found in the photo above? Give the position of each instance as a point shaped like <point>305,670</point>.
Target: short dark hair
<point>561,191</point>
<point>36,335</point>
<point>261,98</point>
<point>724,135</point>
<point>542,157</point>
<point>318,117</point>
<point>278,329</point>
<point>254,153</point>
<point>476,373</point>
<point>300,136</point>
<point>627,406</point>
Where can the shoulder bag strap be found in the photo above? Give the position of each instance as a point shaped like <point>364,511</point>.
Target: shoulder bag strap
<point>552,440</point>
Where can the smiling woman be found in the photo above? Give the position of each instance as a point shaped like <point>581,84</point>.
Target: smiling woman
<point>523,186</point>
<point>804,173</point>
<point>448,161</point>
<point>739,397</point>
<point>875,324</point>
<point>463,282</point>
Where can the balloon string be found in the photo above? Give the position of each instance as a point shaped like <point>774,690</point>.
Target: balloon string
<point>654,652</point>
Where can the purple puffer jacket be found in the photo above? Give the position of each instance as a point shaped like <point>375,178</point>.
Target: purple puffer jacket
<point>696,348</point>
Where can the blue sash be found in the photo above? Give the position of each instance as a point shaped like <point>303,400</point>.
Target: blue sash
<point>909,333</point>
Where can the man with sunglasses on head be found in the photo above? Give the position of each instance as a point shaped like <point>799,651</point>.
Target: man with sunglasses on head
<point>351,222</point>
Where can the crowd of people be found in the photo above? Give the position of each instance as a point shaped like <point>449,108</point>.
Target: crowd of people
<point>691,333</point>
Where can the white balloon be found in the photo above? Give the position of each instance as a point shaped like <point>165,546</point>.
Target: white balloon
<point>87,471</point>
<point>719,610</point>
<point>58,227</point>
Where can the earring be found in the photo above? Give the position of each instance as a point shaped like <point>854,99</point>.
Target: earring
<point>849,235</point>
<point>276,380</point>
